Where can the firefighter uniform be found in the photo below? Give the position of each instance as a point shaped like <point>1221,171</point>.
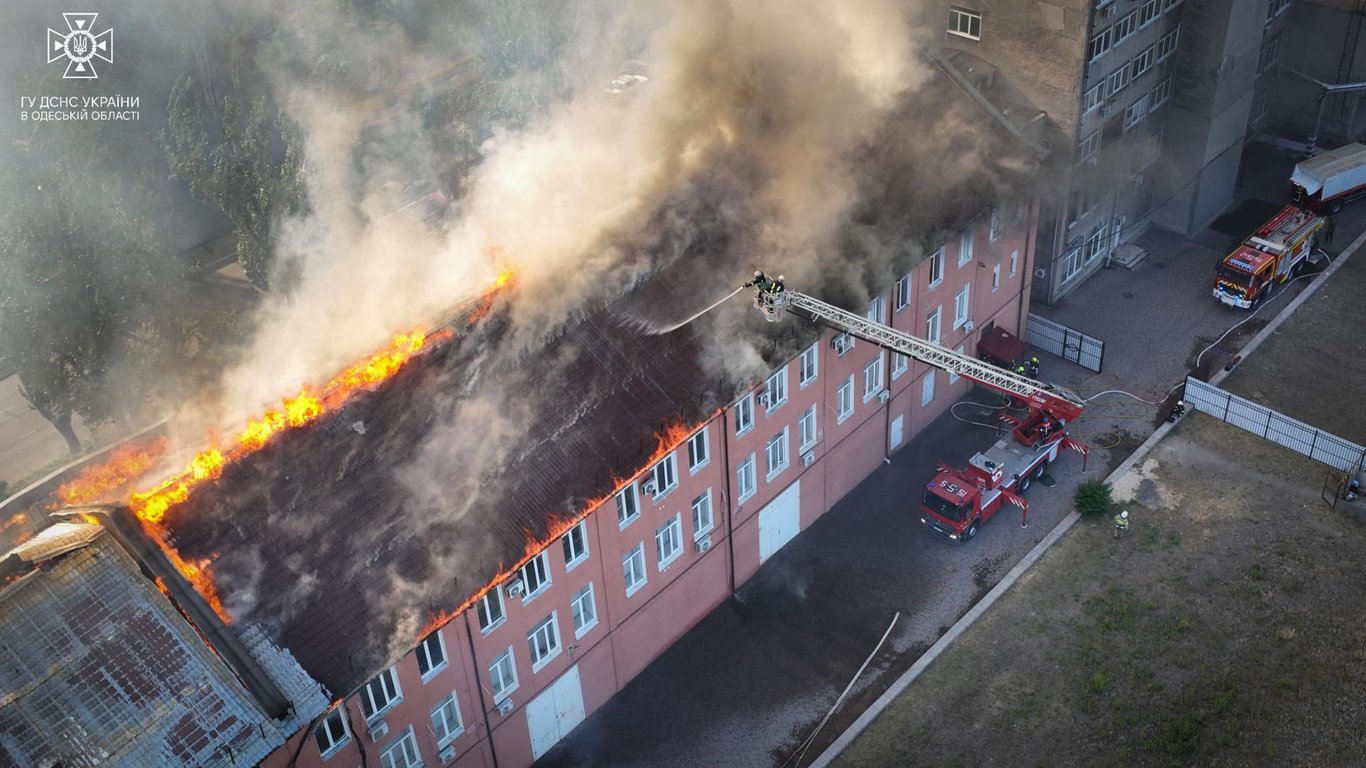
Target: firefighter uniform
<point>1033,367</point>
<point>1121,523</point>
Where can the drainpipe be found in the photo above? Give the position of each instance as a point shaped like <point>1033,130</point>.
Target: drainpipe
<point>725,483</point>
<point>479,687</point>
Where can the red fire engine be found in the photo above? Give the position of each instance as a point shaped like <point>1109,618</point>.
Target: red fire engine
<point>957,501</point>
<point>1275,252</point>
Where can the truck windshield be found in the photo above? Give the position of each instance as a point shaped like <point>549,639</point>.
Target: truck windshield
<point>944,507</point>
<point>1235,276</point>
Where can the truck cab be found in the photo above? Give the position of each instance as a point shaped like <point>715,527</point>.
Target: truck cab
<point>1274,253</point>
<point>955,503</point>
<point>1244,278</point>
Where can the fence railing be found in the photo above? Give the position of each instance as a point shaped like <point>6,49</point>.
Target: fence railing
<point>1299,437</point>
<point>1067,343</point>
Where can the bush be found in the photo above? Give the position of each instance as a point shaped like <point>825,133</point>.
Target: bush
<point>1093,498</point>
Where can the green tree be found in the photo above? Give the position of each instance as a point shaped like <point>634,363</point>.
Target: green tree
<point>242,156</point>
<point>1092,498</point>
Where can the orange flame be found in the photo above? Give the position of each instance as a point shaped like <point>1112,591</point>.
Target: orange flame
<point>125,464</point>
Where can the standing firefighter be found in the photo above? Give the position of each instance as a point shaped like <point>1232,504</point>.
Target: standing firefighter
<point>1121,523</point>
<point>1033,366</point>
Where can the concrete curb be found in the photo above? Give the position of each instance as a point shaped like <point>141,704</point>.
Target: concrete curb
<point>976,611</point>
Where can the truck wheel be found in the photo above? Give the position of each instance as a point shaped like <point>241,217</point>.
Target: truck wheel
<point>1041,469</point>
<point>1335,206</point>
<point>1024,483</point>
<point>971,531</point>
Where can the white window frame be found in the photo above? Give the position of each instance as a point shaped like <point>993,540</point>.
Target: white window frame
<point>404,748</point>
<point>936,268</point>
<point>746,480</point>
<point>325,730</point>
<point>844,400</point>
<point>903,292</point>
<point>668,542</point>
<point>1270,54</point>
<point>484,611</point>
<point>1117,81</point>
<point>1168,5</point>
<point>744,414</point>
<point>581,599</point>
<point>1159,95</point>
<point>962,306</point>
<point>900,364</point>
<point>575,545</point>
<point>699,451</point>
<point>776,386</point>
<point>1099,44</point>
<point>806,429</point>
<point>872,377</point>
<point>953,377</point>
<point>537,569</point>
<point>665,476</point>
<point>934,325</point>
<point>1135,112</point>
<point>1143,62</point>
<point>443,730</point>
<point>965,248</point>
<point>633,565</point>
<point>927,388</point>
<point>628,505</point>
<point>776,446</point>
<point>703,517</point>
<point>1166,45</point>
<point>1092,98</point>
<point>381,683</point>
<point>997,228</point>
<point>996,278</point>
<point>808,365</point>
<point>1071,264</point>
<point>1089,146</point>
<point>876,309</point>
<point>965,23</point>
<point>1125,27</point>
<point>547,630</point>
<point>502,684</point>
<point>424,654</point>
<point>1149,12</point>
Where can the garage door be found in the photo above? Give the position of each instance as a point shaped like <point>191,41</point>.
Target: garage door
<point>780,521</point>
<point>553,714</point>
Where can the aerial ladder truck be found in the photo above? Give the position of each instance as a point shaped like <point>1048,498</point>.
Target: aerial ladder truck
<point>957,501</point>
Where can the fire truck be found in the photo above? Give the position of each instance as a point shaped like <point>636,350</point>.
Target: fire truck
<point>1275,252</point>
<point>957,501</point>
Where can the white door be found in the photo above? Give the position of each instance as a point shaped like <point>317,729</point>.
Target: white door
<point>780,521</point>
<point>1119,223</point>
<point>553,714</point>
<point>898,424</point>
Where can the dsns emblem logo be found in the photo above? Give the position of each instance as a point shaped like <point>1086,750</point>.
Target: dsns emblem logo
<point>79,45</point>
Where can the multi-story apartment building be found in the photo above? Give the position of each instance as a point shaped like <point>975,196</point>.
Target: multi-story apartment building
<point>1322,40</point>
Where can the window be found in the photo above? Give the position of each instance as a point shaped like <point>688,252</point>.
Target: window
<point>744,479</point>
<point>932,326</point>
<point>503,676</point>
<point>1117,81</point>
<point>446,722</point>
<point>633,566</point>
<point>1014,262</point>
<point>806,426</point>
<point>997,225</point>
<point>543,642</point>
<point>965,23</point>
<point>701,511</point>
<point>996,278</point>
<point>903,292</point>
<point>1125,27</point>
<point>1092,98</point>
<point>775,454</point>
<point>927,388</point>
<point>1071,264</point>
<point>332,733</point>
<point>777,390</point>
<point>1167,5</point>
<point>665,476</point>
<point>668,542</point>
<point>845,400</point>
<point>953,377</point>
<point>1259,105</point>
<point>1100,44</point>
<point>964,248</point>
<point>872,378</point>
<point>900,363</point>
<point>744,414</point>
<point>431,655</point>
<point>491,610</point>
<point>844,342</point>
<point>380,694</point>
<point>1136,111</point>
<point>1143,62</point>
<point>1166,46</point>
<point>584,608</point>
<point>1159,95</point>
<point>936,267</point>
<point>628,509</point>
<point>1270,55</point>
<point>575,542</point>
<point>698,453</point>
<point>1089,146</point>
<point>808,364</point>
<point>1147,13</point>
<point>402,753</point>
<point>960,307</point>
<point>535,576</point>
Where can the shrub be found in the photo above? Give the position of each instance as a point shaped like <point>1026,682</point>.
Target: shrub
<point>1093,498</point>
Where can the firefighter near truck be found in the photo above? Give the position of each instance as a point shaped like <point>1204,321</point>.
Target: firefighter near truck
<point>956,502</point>
<point>1275,253</point>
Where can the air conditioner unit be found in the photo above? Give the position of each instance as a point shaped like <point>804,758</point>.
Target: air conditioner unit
<point>968,326</point>
<point>649,487</point>
<point>1041,273</point>
<point>703,543</point>
<point>884,396</point>
<point>448,754</point>
<point>808,458</point>
<point>843,343</point>
<point>504,706</point>
<point>378,729</point>
<point>764,399</point>
<point>515,588</point>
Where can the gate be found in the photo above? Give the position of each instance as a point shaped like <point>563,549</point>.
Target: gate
<point>1067,343</point>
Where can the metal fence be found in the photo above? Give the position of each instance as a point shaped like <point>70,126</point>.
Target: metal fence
<point>1299,437</point>
<point>1069,344</point>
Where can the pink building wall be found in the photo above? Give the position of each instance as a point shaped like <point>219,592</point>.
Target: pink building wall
<point>632,630</point>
